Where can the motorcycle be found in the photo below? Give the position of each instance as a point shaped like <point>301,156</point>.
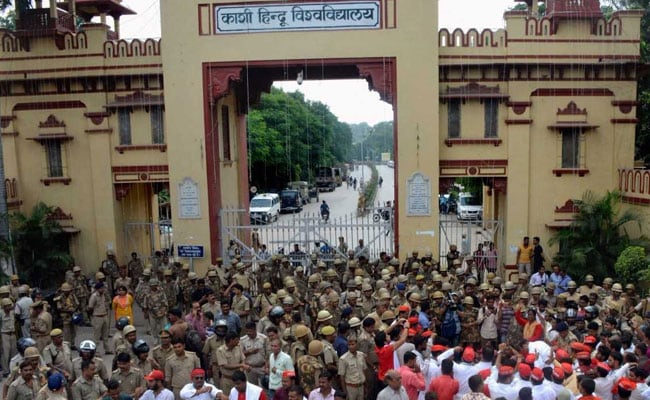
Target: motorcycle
<point>381,214</point>
<point>325,215</point>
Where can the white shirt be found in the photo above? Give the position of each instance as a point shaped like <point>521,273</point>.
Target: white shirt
<point>164,394</point>
<point>543,392</point>
<point>462,373</point>
<point>188,391</point>
<point>281,363</point>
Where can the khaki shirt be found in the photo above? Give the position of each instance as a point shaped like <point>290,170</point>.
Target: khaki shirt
<point>329,353</point>
<point>58,357</point>
<point>178,369</point>
<point>260,342</point>
<point>129,381</point>
<point>88,390</point>
<point>97,303</point>
<point>351,367</point>
<point>101,370</point>
<point>19,390</point>
<point>226,356</point>
<point>160,355</point>
<point>8,321</point>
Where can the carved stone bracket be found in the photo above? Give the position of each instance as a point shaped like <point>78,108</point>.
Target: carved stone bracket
<point>5,120</point>
<point>380,78</point>
<point>568,207</point>
<point>219,79</point>
<point>572,109</point>
<point>51,122</point>
<point>96,117</point>
<point>519,107</point>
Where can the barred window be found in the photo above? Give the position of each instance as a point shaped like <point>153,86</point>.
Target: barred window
<point>157,125</point>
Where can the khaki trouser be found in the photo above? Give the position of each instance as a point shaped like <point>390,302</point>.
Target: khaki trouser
<point>42,342</point>
<point>69,334</point>
<point>157,325</point>
<point>354,391</point>
<point>100,330</point>
<point>8,349</point>
<point>226,384</point>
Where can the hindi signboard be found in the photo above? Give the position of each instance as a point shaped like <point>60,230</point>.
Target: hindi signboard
<point>190,251</point>
<point>188,200</point>
<point>418,191</point>
<point>299,17</point>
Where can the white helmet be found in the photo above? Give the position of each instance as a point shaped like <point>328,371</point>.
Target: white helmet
<point>87,345</point>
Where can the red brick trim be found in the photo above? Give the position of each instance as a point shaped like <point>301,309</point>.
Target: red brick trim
<point>624,120</point>
<point>161,147</point>
<point>519,121</point>
<point>571,171</point>
<point>48,181</point>
<point>494,141</point>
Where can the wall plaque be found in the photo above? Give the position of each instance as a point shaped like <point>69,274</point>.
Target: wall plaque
<point>418,192</point>
<point>189,206</point>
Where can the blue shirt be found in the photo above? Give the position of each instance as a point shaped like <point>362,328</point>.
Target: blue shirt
<point>232,320</point>
<point>341,345</point>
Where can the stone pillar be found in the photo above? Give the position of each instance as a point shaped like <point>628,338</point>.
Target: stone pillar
<point>116,22</point>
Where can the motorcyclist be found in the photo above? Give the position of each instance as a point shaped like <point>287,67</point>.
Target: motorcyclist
<point>325,210</point>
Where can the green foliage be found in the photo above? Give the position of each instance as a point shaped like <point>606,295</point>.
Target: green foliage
<point>597,236</point>
<point>376,140</point>
<point>8,21</point>
<point>40,246</point>
<point>370,189</point>
<point>288,137</point>
<point>630,264</point>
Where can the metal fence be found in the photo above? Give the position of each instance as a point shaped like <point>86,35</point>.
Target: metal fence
<point>467,236</point>
<point>309,231</point>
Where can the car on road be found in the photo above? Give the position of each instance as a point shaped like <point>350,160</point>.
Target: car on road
<point>290,201</point>
<point>303,188</point>
<point>325,179</point>
<point>470,207</point>
<point>390,164</point>
<point>264,208</point>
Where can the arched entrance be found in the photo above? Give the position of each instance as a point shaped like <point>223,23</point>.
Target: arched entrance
<point>246,82</point>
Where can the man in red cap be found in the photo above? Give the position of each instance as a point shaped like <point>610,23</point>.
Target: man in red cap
<point>198,389</point>
<point>445,385</point>
<point>540,390</point>
<point>288,381</point>
<point>503,386</point>
<point>604,382</point>
<point>558,384</point>
<point>156,384</point>
<point>465,369</point>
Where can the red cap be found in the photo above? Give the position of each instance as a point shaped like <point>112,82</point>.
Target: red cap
<point>438,348</point>
<point>404,308</point>
<point>505,370</point>
<point>578,347</point>
<point>413,320</point>
<point>197,372</point>
<point>561,354</point>
<point>626,384</point>
<point>537,374</point>
<point>590,340</point>
<point>426,334</point>
<point>412,332</point>
<point>583,355</point>
<point>468,354</point>
<point>603,366</point>
<point>524,370</point>
<point>567,368</point>
<point>288,374</point>
<point>155,375</point>
<point>485,373</point>
<point>558,373</point>
<point>530,358</point>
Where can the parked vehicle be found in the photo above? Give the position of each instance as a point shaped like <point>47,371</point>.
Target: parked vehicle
<point>303,188</point>
<point>313,192</point>
<point>290,201</point>
<point>338,177</point>
<point>264,208</point>
<point>390,164</point>
<point>325,179</point>
<point>470,208</point>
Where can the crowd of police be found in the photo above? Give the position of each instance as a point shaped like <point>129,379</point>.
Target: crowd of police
<point>284,327</point>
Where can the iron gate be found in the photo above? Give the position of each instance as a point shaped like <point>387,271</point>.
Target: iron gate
<point>467,235</point>
<point>307,230</point>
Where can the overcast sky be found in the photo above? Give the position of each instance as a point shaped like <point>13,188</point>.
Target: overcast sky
<point>350,100</point>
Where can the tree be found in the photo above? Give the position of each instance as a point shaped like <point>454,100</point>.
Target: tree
<point>8,21</point>
<point>288,137</point>
<point>40,246</point>
<point>631,264</point>
<point>597,236</point>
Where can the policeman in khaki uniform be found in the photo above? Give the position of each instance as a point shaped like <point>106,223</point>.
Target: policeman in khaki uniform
<point>265,300</point>
<point>179,366</point>
<point>87,350</point>
<point>67,305</point>
<point>80,287</point>
<point>330,356</point>
<point>163,351</point>
<point>89,385</point>
<point>7,329</point>
<point>155,307</point>
<point>229,358</point>
<point>41,325</point>
<point>351,370</point>
<point>57,355</point>
<point>311,366</point>
<point>98,308</point>
<point>130,378</point>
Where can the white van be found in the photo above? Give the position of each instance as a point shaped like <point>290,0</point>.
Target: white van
<point>470,208</point>
<point>264,208</point>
